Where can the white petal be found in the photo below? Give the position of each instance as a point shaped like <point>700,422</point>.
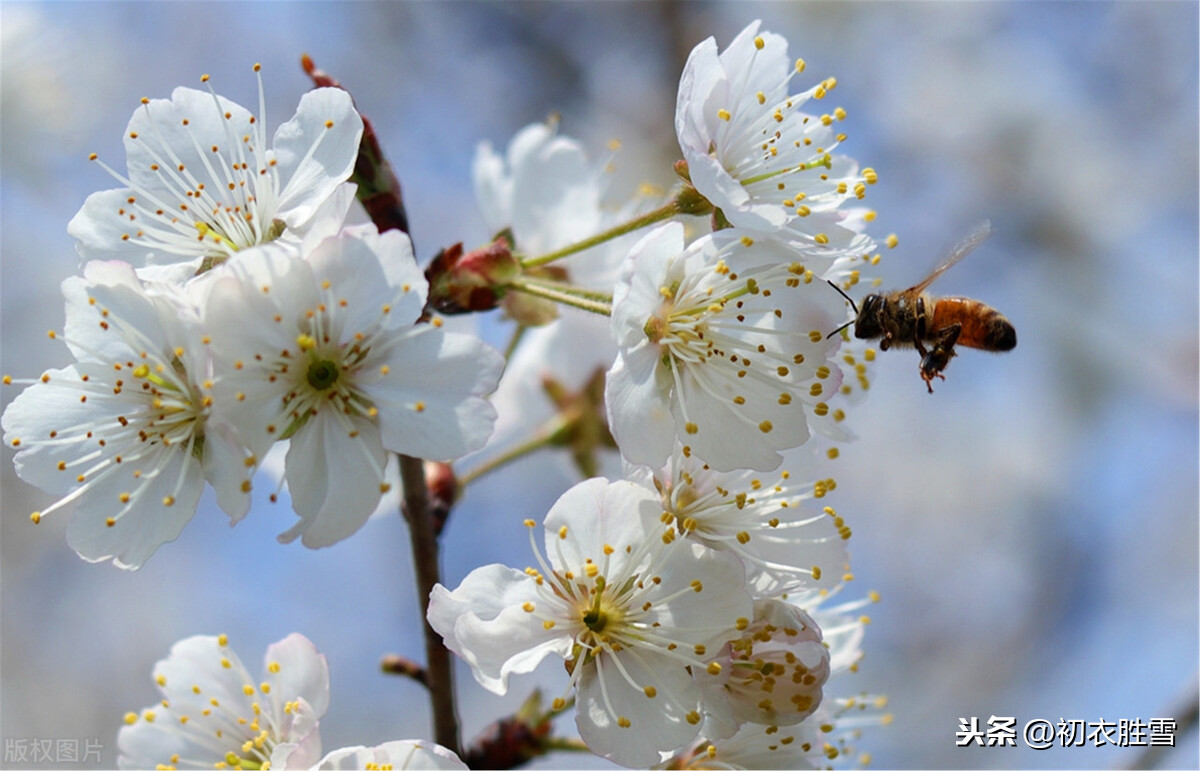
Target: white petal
<point>484,622</point>
<point>43,408</point>
<point>492,187</point>
<point>246,322</point>
<point>639,414</point>
<point>302,672</point>
<point>431,401</point>
<point>377,270</point>
<point>310,179</point>
<point>596,513</point>
<point>724,439</point>
<point>706,617</point>
<point>300,726</point>
<point>149,523</point>
<point>111,286</point>
<point>194,673</point>
<point>225,468</point>
<point>334,471</point>
<point>657,724</point>
<point>101,233</point>
<point>146,745</point>
<point>702,78</point>
<point>400,755</point>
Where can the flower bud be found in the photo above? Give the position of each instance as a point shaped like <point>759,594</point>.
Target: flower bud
<point>474,281</point>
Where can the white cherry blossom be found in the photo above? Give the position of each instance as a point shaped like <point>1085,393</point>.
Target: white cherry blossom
<point>722,348</point>
<point>126,434</point>
<point>765,519</point>
<point>203,183</point>
<point>545,188</point>
<point>626,605</point>
<point>754,152</point>
<point>215,714</point>
<point>326,351</point>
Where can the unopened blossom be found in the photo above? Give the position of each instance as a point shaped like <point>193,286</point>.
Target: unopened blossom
<point>627,606</point>
<point>771,675</point>
<point>326,351</point>
<point>765,157</point>
<point>126,434</point>
<point>722,348</point>
<point>204,183</point>
<point>215,714</point>
<point>407,755</point>
<point>766,519</point>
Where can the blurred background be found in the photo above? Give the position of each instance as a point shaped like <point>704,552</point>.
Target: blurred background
<point>1032,527</point>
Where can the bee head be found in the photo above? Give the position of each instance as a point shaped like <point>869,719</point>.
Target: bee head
<point>867,325</point>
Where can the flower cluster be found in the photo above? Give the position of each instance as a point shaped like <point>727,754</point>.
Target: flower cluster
<point>670,590</point>
<point>234,295</point>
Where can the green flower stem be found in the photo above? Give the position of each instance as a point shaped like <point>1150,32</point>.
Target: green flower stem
<point>681,204</point>
<point>560,744</point>
<point>438,670</point>
<point>514,341</point>
<point>595,302</point>
<point>543,438</point>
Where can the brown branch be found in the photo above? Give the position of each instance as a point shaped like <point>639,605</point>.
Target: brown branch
<point>439,673</point>
<point>395,664</point>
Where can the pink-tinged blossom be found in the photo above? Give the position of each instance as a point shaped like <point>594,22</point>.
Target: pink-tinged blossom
<point>771,675</point>
<point>828,737</point>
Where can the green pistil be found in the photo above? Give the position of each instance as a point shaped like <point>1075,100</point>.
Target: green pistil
<point>243,763</point>
<point>208,233</point>
<point>825,161</point>
<point>322,374</point>
<point>143,371</point>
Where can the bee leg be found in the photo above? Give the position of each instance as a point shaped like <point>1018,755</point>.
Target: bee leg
<point>938,359</point>
<point>924,354</point>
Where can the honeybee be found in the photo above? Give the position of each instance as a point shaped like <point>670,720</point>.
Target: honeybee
<point>912,317</point>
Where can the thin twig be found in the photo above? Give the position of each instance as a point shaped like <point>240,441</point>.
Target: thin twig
<point>439,673</point>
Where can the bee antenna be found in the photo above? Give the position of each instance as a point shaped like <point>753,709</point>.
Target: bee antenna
<point>839,329</point>
<point>850,300</point>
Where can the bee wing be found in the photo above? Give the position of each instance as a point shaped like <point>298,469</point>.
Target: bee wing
<point>960,250</point>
